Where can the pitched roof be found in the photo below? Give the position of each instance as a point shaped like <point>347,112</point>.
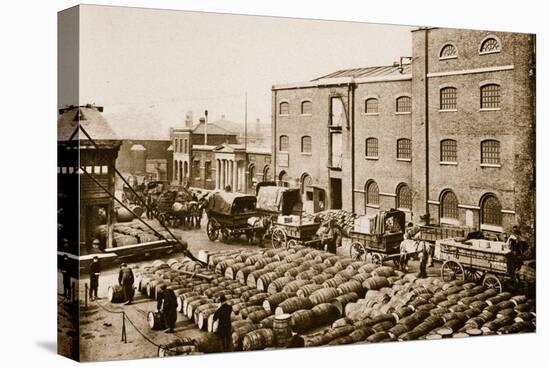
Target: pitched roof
<point>212,128</point>
<point>90,118</point>
<point>368,72</point>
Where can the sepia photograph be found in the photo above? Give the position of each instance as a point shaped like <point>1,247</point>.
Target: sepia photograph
<point>234,183</point>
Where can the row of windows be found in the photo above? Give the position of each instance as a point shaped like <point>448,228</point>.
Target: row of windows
<point>306,108</point>
<point>491,209</point>
<point>180,145</point>
<point>489,97</point>
<point>488,45</point>
<point>403,195</point>
<point>404,148</point>
<point>490,151</point>
<point>305,146</point>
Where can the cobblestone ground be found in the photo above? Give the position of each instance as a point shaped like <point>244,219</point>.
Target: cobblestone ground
<point>101,330</point>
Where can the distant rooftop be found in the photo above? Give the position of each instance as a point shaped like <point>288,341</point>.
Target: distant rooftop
<point>368,72</point>
<point>90,118</point>
<point>212,128</point>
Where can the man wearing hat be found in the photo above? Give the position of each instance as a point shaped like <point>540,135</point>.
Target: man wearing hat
<point>94,271</point>
<point>126,281</point>
<point>223,316</point>
<point>167,305</point>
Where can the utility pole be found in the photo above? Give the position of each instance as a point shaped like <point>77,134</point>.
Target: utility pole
<point>206,127</point>
<point>245,120</point>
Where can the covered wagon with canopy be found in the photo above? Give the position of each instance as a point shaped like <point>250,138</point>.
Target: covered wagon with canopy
<point>228,215</point>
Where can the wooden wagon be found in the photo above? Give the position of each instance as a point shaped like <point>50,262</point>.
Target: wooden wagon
<point>482,261</point>
<point>383,242</point>
<point>229,214</point>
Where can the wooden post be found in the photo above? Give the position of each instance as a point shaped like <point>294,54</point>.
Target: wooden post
<point>85,295</point>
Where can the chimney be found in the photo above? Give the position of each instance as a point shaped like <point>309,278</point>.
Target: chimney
<point>189,119</point>
<point>205,120</point>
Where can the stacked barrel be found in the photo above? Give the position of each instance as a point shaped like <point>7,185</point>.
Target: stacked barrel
<point>331,299</point>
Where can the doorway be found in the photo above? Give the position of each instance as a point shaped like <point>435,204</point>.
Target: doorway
<point>336,193</point>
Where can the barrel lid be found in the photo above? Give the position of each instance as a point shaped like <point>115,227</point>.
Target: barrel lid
<point>445,331</point>
<point>474,332</point>
<point>461,335</point>
<point>433,336</point>
<point>282,316</point>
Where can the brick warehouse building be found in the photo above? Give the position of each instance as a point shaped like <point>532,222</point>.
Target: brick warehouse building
<point>450,134</point>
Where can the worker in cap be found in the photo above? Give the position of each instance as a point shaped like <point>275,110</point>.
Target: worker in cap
<point>126,281</point>
<point>224,331</point>
<point>167,305</point>
<point>94,271</point>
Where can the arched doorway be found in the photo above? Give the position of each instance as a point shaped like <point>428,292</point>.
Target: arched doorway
<point>251,177</point>
<point>267,174</point>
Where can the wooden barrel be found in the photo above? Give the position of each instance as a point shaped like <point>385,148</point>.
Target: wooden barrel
<point>251,260</point>
<point>258,316</point>
<point>252,278</point>
<point>242,273</point>
<point>278,284</point>
<point>182,297</point>
<point>308,274</point>
<point>293,304</point>
<point>351,286</point>
<point>293,286</point>
<point>189,297</point>
<point>191,306</point>
<point>282,329</point>
<point>323,295</point>
<point>257,299</point>
<point>308,289</point>
<point>379,337</point>
<point>272,301</point>
<point>361,277</point>
<point>115,294</point>
<point>267,322</point>
<point>368,268</point>
<point>244,312</point>
<point>202,320</point>
<point>246,295</point>
<point>203,308</point>
<point>240,290</point>
<point>341,301</point>
<point>155,321</point>
<point>375,283</point>
<point>274,265</point>
<point>397,330</point>
<point>258,339</point>
<point>320,278</point>
<point>265,280</point>
<point>178,347</point>
<point>211,291</point>
<point>222,266</point>
<point>324,314</point>
<point>302,320</point>
<point>239,333</point>
<point>232,270</point>
<point>261,263</point>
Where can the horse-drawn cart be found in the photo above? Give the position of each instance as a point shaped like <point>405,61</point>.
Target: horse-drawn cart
<point>229,214</point>
<point>483,261</point>
<point>382,239</point>
<point>283,207</point>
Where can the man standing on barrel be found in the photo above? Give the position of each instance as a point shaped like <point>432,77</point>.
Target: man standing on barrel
<point>223,316</point>
<point>126,281</point>
<point>94,271</point>
<point>167,305</point>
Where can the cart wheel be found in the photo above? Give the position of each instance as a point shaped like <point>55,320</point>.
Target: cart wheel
<point>451,270</point>
<point>357,252</point>
<point>291,243</point>
<point>473,275</point>
<point>491,281</point>
<point>278,238</point>
<point>212,230</point>
<point>376,258</point>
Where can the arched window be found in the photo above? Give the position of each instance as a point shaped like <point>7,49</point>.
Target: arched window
<point>490,152</point>
<point>306,144</point>
<point>306,108</point>
<point>447,99</point>
<point>267,174</point>
<point>251,176</point>
<point>449,205</point>
<point>403,104</point>
<point>404,149</point>
<point>404,197</point>
<point>490,96</point>
<point>448,150</point>
<point>283,143</point>
<point>305,182</point>
<point>371,105</point>
<point>371,148</point>
<point>283,178</point>
<point>491,210</point>
<point>284,108</point>
<point>448,52</point>
<point>372,193</point>
<point>489,45</point>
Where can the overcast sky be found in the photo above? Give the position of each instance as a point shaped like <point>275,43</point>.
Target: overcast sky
<point>148,67</point>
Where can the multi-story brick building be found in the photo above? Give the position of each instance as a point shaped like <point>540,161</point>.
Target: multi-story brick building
<point>448,137</point>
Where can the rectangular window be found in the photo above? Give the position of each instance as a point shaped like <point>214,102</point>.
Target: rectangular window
<point>337,113</point>
<point>208,170</point>
<point>371,105</point>
<point>371,148</point>
<point>403,104</point>
<point>336,149</point>
<point>306,144</point>
<point>185,145</point>
<point>197,170</point>
<point>448,151</point>
<point>490,96</point>
<point>404,149</point>
<point>490,152</point>
<point>447,99</point>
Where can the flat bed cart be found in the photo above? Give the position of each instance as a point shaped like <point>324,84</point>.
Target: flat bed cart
<point>464,261</point>
<point>228,215</point>
<point>434,233</point>
<point>291,234</point>
<point>383,245</point>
